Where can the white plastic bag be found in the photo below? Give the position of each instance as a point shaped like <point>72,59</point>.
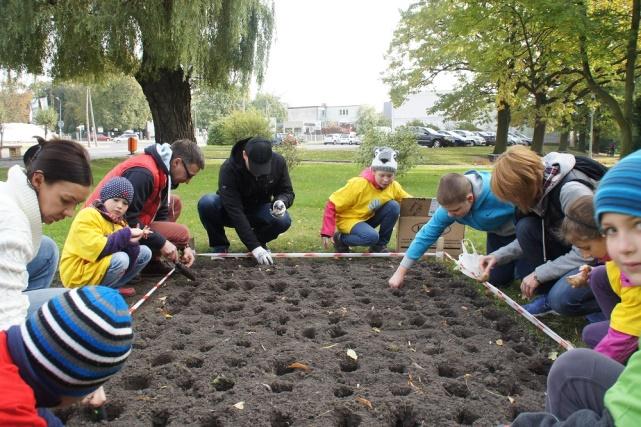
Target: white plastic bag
<point>468,260</point>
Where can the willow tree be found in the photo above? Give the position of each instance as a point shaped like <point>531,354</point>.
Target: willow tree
<point>163,44</point>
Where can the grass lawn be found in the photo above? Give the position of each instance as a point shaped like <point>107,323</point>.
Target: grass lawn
<point>320,173</point>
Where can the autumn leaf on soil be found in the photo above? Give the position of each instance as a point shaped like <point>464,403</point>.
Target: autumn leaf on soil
<point>511,399</point>
<point>499,342</point>
<point>240,405</point>
<point>364,402</point>
<point>162,299</point>
<point>378,331</point>
<point>553,355</point>
<point>351,353</point>
<point>301,366</point>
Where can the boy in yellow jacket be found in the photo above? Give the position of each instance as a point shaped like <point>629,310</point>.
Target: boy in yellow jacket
<point>100,248</point>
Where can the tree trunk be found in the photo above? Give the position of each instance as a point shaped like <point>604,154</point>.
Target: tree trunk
<point>583,140</point>
<point>503,118</point>
<point>564,140</point>
<point>168,93</point>
<point>539,133</point>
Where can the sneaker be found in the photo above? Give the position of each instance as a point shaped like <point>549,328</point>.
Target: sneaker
<point>127,292</point>
<point>378,249</point>
<point>339,246</point>
<point>539,307</point>
<point>155,268</point>
<point>219,249</point>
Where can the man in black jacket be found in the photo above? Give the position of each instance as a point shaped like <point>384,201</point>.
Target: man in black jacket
<point>254,192</point>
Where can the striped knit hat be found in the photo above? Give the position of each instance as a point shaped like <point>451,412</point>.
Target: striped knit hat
<point>73,343</point>
<point>619,190</point>
<point>117,187</point>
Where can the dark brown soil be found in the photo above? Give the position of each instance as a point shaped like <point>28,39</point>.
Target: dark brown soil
<point>438,352</point>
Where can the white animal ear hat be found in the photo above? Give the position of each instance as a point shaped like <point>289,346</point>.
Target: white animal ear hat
<point>384,160</point>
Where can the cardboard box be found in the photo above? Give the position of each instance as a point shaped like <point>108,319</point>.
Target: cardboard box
<point>415,212</point>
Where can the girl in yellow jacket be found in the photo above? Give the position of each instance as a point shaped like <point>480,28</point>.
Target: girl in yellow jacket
<point>100,248</point>
<point>367,201</point>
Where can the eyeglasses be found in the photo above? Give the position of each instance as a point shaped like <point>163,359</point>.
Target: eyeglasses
<point>189,174</point>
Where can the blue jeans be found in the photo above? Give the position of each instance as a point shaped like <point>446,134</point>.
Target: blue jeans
<point>40,296</point>
<point>503,275</point>
<point>562,298</point>
<point>365,234</point>
<point>214,218</point>
<point>43,266</point>
<point>117,274</point>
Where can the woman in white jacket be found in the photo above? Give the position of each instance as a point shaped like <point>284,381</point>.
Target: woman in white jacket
<point>58,177</point>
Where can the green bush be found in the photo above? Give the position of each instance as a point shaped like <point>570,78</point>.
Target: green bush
<point>402,141</point>
<point>289,150</point>
<point>239,125</point>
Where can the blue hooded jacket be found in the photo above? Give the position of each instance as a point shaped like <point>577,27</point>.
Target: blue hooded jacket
<point>488,213</point>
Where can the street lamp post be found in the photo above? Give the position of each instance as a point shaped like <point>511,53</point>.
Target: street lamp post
<point>60,122</point>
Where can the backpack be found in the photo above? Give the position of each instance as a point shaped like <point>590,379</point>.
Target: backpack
<point>590,167</point>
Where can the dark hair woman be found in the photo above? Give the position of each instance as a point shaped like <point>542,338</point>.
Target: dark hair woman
<point>57,178</point>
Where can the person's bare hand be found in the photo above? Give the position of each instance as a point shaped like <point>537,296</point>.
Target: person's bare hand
<point>487,263</point>
<point>169,251</point>
<point>95,399</point>
<point>188,257</point>
<point>529,285</point>
<point>136,235</point>
<point>326,241</point>
<point>397,279</point>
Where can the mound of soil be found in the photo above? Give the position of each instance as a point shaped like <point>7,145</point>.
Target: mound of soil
<point>249,345</point>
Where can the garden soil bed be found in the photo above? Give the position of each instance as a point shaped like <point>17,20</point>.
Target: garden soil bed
<point>437,352</point>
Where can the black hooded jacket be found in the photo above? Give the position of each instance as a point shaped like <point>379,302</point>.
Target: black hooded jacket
<point>241,192</point>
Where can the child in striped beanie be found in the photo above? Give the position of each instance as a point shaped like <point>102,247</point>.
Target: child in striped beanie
<point>64,351</point>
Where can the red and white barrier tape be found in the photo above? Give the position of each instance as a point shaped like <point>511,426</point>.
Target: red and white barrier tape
<point>134,307</point>
<point>213,255</point>
<point>519,309</point>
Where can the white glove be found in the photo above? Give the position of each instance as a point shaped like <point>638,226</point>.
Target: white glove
<point>262,256</point>
<point>278,209</point>
<point>374,204</point>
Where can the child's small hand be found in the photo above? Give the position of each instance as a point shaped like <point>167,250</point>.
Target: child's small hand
<point>146,232</point>
<point>136,235</point>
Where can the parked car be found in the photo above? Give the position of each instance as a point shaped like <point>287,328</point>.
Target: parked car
<point>489,137</point>
<point>526,140</point>
<point>102,137</point>
<point>344,139</point>
<point>457,140</point>
<point>124,137</point>
<point>476,140</point>
<point>514,139</point>
<point>331,138</point>
<point>427,137</point>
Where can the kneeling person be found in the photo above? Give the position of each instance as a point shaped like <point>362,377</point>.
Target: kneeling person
<point>467,199</point>
<point>367,201</point>
<point>254,193</point>
<point>100,248</point>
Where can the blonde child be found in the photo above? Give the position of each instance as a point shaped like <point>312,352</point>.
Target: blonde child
<point>364,203</point>
<point>617,337</point>
<point>100,248</point>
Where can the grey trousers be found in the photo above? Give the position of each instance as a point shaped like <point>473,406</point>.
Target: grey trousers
<point>578,380</point>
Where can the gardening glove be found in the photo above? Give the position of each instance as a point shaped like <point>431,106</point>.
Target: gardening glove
<point>262,256</point>
<point>374,205</point>
<point>278,209</point>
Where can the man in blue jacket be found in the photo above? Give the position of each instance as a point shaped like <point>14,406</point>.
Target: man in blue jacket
<point>467,199</point>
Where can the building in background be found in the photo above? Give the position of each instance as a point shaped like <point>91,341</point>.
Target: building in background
<point>313,118</point>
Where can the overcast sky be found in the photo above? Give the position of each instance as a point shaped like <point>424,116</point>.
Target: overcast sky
<point>331,51</point>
